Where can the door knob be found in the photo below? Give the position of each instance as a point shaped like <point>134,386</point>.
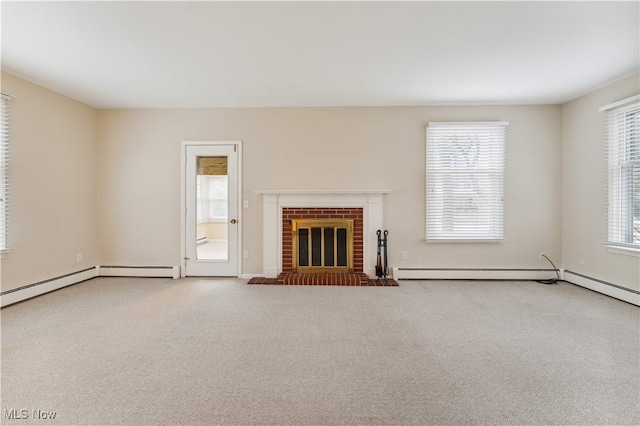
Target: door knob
<point>233,221</point>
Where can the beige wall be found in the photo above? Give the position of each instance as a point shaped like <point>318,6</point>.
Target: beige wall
<point>83,179</point>
<point>323,148</point>
<point>53,185</point>
<point>584,188</point>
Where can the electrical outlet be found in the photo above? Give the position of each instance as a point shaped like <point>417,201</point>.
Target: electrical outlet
<point>404,255</point>
<point>245,254</point>
<point>581,261</point>
<point>79,257</point>
<point>246,204</point>
<point>541,255</point>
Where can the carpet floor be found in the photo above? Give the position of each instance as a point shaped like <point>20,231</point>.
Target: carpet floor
<point>217,351</point>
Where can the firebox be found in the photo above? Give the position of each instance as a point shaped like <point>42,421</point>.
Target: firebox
<point>322,245</point>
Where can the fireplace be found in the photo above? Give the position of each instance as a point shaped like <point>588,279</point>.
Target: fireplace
<point>322,245</point>
<point>322,239</point>
<point>281,207</point>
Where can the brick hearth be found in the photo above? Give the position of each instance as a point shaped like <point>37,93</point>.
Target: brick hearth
<point>321,279</point>
<point>352,280</point>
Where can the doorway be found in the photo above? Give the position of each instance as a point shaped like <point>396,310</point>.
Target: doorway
<point>211,209</point>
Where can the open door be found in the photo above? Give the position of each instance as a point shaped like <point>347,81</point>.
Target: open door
<point>211,196</point>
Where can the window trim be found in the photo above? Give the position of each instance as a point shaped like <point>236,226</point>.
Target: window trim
<point>624,248</point>
<point>621,249</point>
<point>5,139</point>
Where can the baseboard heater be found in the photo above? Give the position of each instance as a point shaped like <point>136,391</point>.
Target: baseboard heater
<point>202,240</point>
<point>604,287</point>
<point>140,271</point>
<point>36,289</point>
<point>472,274</point>
<point>19,294</point>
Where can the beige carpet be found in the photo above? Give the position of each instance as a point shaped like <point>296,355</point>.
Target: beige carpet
<point>198,351</point>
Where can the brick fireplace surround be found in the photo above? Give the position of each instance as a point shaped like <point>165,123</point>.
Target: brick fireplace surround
<point>290,213</point>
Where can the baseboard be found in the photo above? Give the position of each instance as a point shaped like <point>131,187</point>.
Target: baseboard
<point>36,289</point>
<point>610,289</point>
<point>249,276</point>
<point>140,271</point>
<point>472,274</point>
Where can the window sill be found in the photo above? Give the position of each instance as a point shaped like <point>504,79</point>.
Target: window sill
<point>624,250</point>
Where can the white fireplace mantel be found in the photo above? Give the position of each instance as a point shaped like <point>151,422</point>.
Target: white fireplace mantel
<point>273,201</point>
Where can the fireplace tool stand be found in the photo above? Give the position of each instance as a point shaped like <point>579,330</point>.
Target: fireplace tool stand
<point>382,269</point>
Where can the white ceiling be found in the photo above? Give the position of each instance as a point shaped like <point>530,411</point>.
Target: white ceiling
<point>241,54</point>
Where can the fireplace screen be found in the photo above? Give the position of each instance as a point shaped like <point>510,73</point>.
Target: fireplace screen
<point>322,245</point>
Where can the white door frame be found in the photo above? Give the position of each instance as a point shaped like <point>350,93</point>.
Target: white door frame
<point>183,202</point>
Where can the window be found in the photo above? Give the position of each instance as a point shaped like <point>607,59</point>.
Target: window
<point>465,180</point>
<point>4,173</point>
<point>212,198</point>
<point>623,158</point>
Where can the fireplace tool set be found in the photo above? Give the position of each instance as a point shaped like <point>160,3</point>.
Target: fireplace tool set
<point>382,269</point>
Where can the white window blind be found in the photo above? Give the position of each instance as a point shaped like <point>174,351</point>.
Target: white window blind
<point>623,158</point>
<point>465,181</point>
<point>4,172</point>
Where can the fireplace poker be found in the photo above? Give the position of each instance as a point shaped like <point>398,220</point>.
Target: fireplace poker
<point>379,271</point>
<point>382,270</point>
<point>385,270</point>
